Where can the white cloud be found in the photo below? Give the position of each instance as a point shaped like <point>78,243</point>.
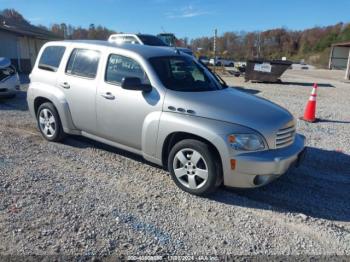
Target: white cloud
<point>186,12</point>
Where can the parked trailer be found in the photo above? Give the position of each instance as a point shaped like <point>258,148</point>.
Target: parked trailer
<point>266,70</point>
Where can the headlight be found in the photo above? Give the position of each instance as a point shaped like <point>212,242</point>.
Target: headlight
<point>246,142</point>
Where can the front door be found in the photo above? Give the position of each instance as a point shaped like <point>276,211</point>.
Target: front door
<point>121,113</point>
<point>79,83</point>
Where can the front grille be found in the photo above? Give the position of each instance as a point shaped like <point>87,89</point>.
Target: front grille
<point>285,136</point>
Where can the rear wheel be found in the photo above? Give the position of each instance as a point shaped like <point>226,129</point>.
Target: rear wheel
<point>49,123</point>
<point>193,167</point>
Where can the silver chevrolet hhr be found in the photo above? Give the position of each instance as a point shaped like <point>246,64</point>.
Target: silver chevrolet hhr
<point>164,105</point>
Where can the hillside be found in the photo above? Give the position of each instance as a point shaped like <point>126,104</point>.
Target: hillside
<point>312,45</point>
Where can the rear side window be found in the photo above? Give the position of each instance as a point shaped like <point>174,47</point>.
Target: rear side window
<point>119,67</point>
<point>51,58</point>
<point>83,62</point>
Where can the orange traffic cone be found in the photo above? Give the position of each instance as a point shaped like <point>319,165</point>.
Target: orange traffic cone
<point>310,110</point>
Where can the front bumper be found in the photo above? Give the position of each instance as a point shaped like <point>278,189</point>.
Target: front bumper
<point>254,169</point>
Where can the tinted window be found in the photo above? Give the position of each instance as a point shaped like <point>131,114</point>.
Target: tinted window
<point>51,58</point>
<point>119,67</point>
<point>168,39</point>
<point>182,73</point>
<point>151,40</point>
<point>83,62</point>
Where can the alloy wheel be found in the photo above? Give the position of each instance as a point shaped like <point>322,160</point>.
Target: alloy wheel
<point>190,168</point>
<point>47,122</point>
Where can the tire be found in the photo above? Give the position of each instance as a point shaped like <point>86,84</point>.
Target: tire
<point>231,65</point>
<point>198,170</point>
<point>218,64</point>
<point>49,123</point>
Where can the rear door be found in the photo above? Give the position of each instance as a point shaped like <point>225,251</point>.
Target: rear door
<point>79,81</point>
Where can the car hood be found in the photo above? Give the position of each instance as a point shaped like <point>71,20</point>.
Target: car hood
<point>4,62</point>
<point>230,105</point>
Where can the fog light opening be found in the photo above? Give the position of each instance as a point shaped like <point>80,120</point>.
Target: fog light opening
<point>260,180</point>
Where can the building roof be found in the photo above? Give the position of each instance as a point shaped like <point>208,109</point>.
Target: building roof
<point>143,50</point>
<point>344,44</point>
<point>26,29</point>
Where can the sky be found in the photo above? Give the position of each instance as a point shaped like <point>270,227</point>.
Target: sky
<point>192,18</point>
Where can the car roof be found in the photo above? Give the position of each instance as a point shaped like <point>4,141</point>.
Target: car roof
<point>128,34</point>
<point>142,50</point>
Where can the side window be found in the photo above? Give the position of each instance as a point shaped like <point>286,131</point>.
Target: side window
<point>119,67</point>
<point>51,58</point>
<point>83,62</point>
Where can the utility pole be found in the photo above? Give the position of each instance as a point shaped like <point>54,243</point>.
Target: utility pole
<point>259,44</point>
<point>215,36</point>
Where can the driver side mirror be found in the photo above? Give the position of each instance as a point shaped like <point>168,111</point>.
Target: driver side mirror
<point>134,83</point>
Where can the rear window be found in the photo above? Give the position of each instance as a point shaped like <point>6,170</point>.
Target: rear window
<point>83,62</point>
<point>51,58</point>
<point>152,40</point>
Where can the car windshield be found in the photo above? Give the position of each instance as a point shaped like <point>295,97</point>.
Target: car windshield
<point>151,40</point>
<point>181,73</point>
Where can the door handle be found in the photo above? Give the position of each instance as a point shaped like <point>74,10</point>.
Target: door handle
<point>65,85</point>
<point>108,95</point>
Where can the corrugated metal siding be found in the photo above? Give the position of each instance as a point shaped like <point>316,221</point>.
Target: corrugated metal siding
<point>339,57</point>
<point>8,45</point>
<point>27,47</point>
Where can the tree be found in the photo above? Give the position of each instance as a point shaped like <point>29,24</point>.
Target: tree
<point>14,16</point>
<point>309,44</point>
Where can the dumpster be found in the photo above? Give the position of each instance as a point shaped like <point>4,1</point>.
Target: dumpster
<point>266,70</point>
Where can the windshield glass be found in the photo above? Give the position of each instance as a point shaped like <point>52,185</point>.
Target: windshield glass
<point>182,73</point>
<point>151,40</point>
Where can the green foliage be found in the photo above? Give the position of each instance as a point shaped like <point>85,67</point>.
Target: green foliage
<point>325,42</point>
<point>345,34</point>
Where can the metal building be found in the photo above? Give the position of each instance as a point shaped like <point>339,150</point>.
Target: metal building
<point>340,58</point>
<point>22,42</point>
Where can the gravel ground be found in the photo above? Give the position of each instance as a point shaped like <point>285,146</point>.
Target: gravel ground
<point>85,198</point>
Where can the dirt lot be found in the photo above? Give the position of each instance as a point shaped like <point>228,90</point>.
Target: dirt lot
<point>85,198</point>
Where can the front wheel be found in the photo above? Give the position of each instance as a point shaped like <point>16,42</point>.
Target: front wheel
<point>49,123</point>
<point>193,167</point>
